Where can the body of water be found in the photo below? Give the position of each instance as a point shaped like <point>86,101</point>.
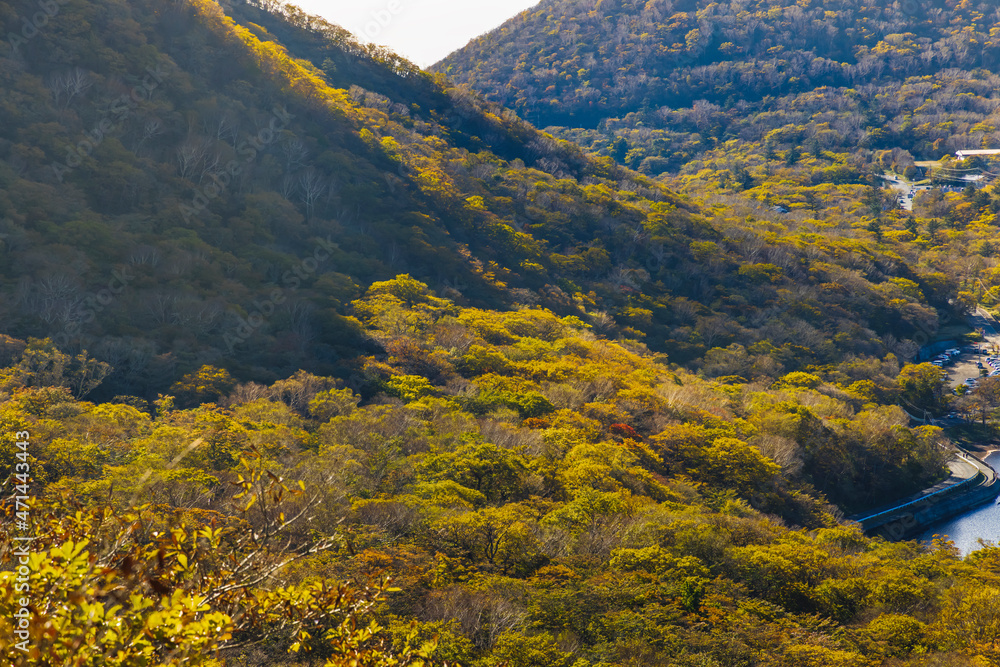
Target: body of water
<point>965,530</point>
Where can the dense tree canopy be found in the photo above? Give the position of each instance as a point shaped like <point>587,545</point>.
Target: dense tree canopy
<point>241,229</point>
<point>326,360</point>
<point>582,61</point>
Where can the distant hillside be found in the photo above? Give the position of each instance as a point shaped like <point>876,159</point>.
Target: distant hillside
<point>785,115</point>
<point>575,63</point>
<point>658,85</point>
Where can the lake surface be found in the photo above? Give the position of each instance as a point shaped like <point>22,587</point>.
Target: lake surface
<point>966,529</point>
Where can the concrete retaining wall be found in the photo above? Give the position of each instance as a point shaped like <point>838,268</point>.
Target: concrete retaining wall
<point>914,517</point>
<point>911,523</point>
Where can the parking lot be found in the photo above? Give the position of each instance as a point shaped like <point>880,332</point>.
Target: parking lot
<point>964,367</point>
<point>967,364</point>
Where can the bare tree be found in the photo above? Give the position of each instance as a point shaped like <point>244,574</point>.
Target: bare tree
<point>160,306</point>
<point>294,152</point>
<point>287,188</point>
<point>59,297</point>
<point>227,127</point>
<point>196,315</point>
<point>69,85</point>
<point>76,83</point>
<point>56,85</point>
<point>190,156</point>
<point>312,185</point>
<point>144,254</point>
<point>153,127</point>
<point>247,393</point>
<point>210,166</point>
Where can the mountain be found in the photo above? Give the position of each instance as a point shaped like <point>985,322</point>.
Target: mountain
<point>661,85</point>
<point>787,113</point>
<point>308,356</point>
<point>577,63</point>
<point>160,190</point>
<point>210,169</point>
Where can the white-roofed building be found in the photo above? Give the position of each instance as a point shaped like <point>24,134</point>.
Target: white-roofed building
<point>961,155</point>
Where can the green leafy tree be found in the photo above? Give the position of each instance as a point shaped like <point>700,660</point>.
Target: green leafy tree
<point>205,385</point>
<point>495,472</point>
<point>922,386</point>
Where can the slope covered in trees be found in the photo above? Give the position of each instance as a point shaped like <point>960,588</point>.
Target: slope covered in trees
<point>538,494</point>
<point>779,117</point>
<point>198,194</point>
<point>282,311</point>
<point>659,84</point>
<point>584,61</point>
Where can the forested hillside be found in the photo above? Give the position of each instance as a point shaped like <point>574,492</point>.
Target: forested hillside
<point>659,84</point>
<point>778,117</point>
<point>540,496</point>
<point>575,63</point>
<point>309,357</point>
<point>154,230</point>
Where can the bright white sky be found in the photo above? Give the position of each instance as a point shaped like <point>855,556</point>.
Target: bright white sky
<point>424,31</point>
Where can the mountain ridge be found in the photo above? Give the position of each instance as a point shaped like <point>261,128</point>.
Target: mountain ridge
<point>798,45</point>
<point>576,233</point>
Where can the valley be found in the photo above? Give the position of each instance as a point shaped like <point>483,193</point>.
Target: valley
<point>580,348</point>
